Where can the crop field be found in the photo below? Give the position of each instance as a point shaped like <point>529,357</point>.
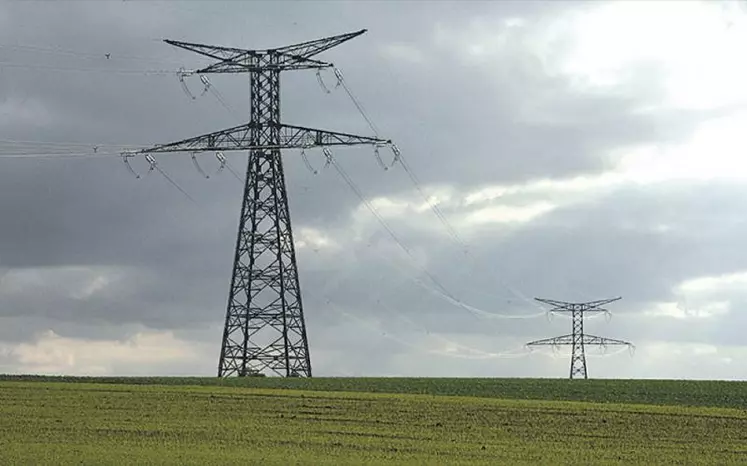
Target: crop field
<point>660,392</point>
<point>183,421</point>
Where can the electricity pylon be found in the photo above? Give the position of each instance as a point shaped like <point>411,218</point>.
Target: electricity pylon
<point>264,325</point>
<point>578,339</point>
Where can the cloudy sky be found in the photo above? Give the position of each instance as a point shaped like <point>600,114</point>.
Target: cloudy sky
<point>580,150</point>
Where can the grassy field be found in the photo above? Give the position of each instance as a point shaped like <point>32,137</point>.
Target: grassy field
<point>658,392</point>
<point>113,423</point>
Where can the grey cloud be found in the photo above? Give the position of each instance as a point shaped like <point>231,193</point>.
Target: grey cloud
<point>458,125</point>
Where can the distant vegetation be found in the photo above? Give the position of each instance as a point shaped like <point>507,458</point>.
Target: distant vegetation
<point>659,392</point>
<point>116,423</point>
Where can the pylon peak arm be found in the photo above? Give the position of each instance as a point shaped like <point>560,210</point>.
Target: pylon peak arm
<point>211,51</point>
<point>239,138</point>
<point>591,306</point>
<point>552,302</point>
<point>291,57</point>
<point>314,47</point>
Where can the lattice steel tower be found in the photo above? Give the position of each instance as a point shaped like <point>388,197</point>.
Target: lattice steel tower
<point>264,327</point>
<point>578,339</point>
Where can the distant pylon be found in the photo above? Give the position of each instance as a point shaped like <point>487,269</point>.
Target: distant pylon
<point>578,339</point>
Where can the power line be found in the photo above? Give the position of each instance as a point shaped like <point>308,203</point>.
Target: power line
<point>399,157</point>
<point>58,155</point>
<point>388,229</point>
<point>100,56</point>
<point>443,292</point>
<point>7,64</point>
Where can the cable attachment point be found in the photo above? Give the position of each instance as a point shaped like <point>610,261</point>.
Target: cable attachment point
<point>338,75</point>
<point>224,164</point>
<point>181,74</point>
<point>152,161</point>
<point>222,159</point>
<point>327,156</point>
<point>126,155</point>
<point>198,167</point>
<point>206,83</point>
<point>307,163</point>
<point>321,81</point>
<point>396,152</point>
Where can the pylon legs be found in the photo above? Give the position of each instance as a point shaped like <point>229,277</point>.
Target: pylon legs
<point>265,329</point>
<point>578,361</point>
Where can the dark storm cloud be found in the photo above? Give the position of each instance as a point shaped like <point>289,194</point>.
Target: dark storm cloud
<point>459,122</point>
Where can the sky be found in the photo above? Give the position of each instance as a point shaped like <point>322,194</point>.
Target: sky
<point>577,151</point>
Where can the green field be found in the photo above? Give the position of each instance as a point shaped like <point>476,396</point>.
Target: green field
<point>662,392</point>
<point>334,421</point>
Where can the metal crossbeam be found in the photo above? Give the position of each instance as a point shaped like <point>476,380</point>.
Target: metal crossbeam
<point>239,138</point>
<point>591,306</point>
<point>586,340</point>
<point>291,57</point>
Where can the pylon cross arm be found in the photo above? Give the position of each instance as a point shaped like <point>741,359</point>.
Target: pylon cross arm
<point>602,341</point>
<point>238,138</point>
<point>586,307</point>
<point>556,341</point>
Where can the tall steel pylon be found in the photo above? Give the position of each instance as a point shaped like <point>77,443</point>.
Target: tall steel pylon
<point>264,325</point>
<point>578,339</point>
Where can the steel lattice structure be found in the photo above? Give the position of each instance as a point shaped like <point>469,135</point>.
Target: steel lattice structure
<point>578,339</point>
<point>264,325</point>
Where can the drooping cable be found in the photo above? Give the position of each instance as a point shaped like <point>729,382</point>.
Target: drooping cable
<point>153,165</point>
<point>307,163</point>
<point>358,105</point>
<point>198,167</point>
<point>464,247</point>
<point>321,82</point>
<point>473,309</point>
<point>440,288</point>
<point>181,74</point>
<point>381,220</point>
<point>334,283</point>
<point>174,183</point>
<point>219,97</point>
